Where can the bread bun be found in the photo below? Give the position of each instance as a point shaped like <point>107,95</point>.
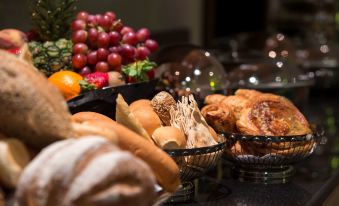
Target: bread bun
<point>163,166</point>
<point>13,159</point>
<point>148,119</point>
<point>169,138</point>
<point>95,173</point>
<point>32,109</point>
<point>162,104</point>
<point>140,104</point>
<point>81,116</point>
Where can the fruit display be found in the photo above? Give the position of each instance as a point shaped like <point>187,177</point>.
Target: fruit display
<point>101,43</point>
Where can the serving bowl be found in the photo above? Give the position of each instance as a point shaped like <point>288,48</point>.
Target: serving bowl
<point>194,163</point>
<point>269,159</point>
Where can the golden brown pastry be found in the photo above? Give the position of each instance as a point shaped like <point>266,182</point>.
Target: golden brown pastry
<point>236,103</point>
<point>14,156</point>
<point>169,138</point>
<point>163,166</point>
<point>214,98</point>
<point>124,116</point>
<point>32,109</point>
<point>248,93</point>
<point>148,119</point>
<point>140,104</point>
<point>272,115</point>
<point>80,116</point>
<point>220,117</point>
<point>162,103</point>
<point>96,173</point>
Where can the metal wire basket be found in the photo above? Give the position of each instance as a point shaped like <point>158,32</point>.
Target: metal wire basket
<point>269,159</point>
<point>193,163</point>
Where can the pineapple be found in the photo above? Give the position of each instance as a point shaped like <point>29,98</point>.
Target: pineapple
<point>52,56</point>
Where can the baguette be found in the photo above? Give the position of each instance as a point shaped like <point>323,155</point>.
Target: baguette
<point>163,166</point>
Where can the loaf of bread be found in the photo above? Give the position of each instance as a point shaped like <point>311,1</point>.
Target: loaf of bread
<point>85,172</point>
<point>31,108</point>
<point>14,157</point>
<point>143,104</point>
<point>169,138</point>
<point>162,103</point>
<point>163,166</point>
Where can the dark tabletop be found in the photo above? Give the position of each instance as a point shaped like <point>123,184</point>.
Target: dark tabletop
<point>314,178</point>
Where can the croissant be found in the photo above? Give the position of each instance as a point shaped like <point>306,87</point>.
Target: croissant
<point>236,103</point>
<point>214,98</point>
<point>248,93</point>
<point>270,114</point>
<point>220,117</point>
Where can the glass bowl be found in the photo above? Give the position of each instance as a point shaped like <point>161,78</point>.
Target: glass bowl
<point>269,159</point>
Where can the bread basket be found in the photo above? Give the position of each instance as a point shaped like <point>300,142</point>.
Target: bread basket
<point>194,163</point>
<point>269,159</point>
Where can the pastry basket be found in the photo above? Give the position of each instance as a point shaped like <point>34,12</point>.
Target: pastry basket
<point>269,159</point>
<point>194,163</point>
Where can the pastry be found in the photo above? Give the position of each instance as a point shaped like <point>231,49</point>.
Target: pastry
<point>169,138</point>
<point>220,117</point>
<point>188,118</point>
<point>125,117</point>
<point>31,108</point>
<point>140,104</point>
<point>163,166</point>
<point>236,104</point>
<point>96,173</point>
<point>214,98</point>
<point>248,93</point>
<point>14,156</point>
<point>162,103</point>
<point>272,115</point>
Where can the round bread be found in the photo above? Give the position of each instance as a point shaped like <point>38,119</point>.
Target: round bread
<point>169,138</point>
<point>140,104</point>
<point>148,119</point>
<point>163,166</point>
<point>95,173</point>
<point>162,104</point>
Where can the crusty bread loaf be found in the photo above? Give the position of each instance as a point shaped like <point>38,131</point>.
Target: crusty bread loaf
<point>169,137</point>
<point>83,129</point>
<point>163,166</point>
<point>140,104</point>
<point>13,159</point>
<point>31,108</point>
<point>162,103</point>
<point>85,172</point>
<point>80,116</point>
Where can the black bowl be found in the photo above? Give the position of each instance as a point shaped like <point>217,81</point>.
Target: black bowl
<point>103,100</point>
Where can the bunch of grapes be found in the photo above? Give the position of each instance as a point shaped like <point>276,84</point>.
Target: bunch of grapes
<point>102,43</point>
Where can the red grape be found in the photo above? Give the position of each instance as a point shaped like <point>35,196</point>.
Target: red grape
<point>80,48</point>
<point>115,49</point>
<point>142,52</point>
<point>98,17</point>
<point>151,74</point>
<point>83,15</point>
<point>130,38</point>
<point>103,40</point>
<point>114,37</point>
<point>92,36</point>
<point>117,25</point>
<point>92,57</point>
<point>102,54</point>
<point>105,22</point>
<point>79,61</point>
<point>102,67</point>
<point>79,36</point>
<point>126,29</point>
<point>151,45</point>
<point>114,60</point>
<point>143,34</point>
<point>128,51</point>
<point>85,71</point>
<point>111,15</point>
<point>92,20</point>
<point>78,25</point>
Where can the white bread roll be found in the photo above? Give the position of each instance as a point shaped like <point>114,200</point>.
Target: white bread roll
<point>85,172</point>
<point>169,138</point>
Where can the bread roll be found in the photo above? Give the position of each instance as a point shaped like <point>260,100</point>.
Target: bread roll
<point>80,116</point>
<point>169,138</point>
<point>140,104</point>
<point>162,103</point>
<point>95,173</point>
<point>163,166</point>
<point>13,159</point>
<point>148,119</point>
<point>31,108</point>
<point>124,116</point>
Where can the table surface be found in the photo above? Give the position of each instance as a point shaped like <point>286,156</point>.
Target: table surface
<point>313,181</point>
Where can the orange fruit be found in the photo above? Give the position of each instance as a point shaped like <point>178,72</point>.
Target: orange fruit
<point>67,82</point>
